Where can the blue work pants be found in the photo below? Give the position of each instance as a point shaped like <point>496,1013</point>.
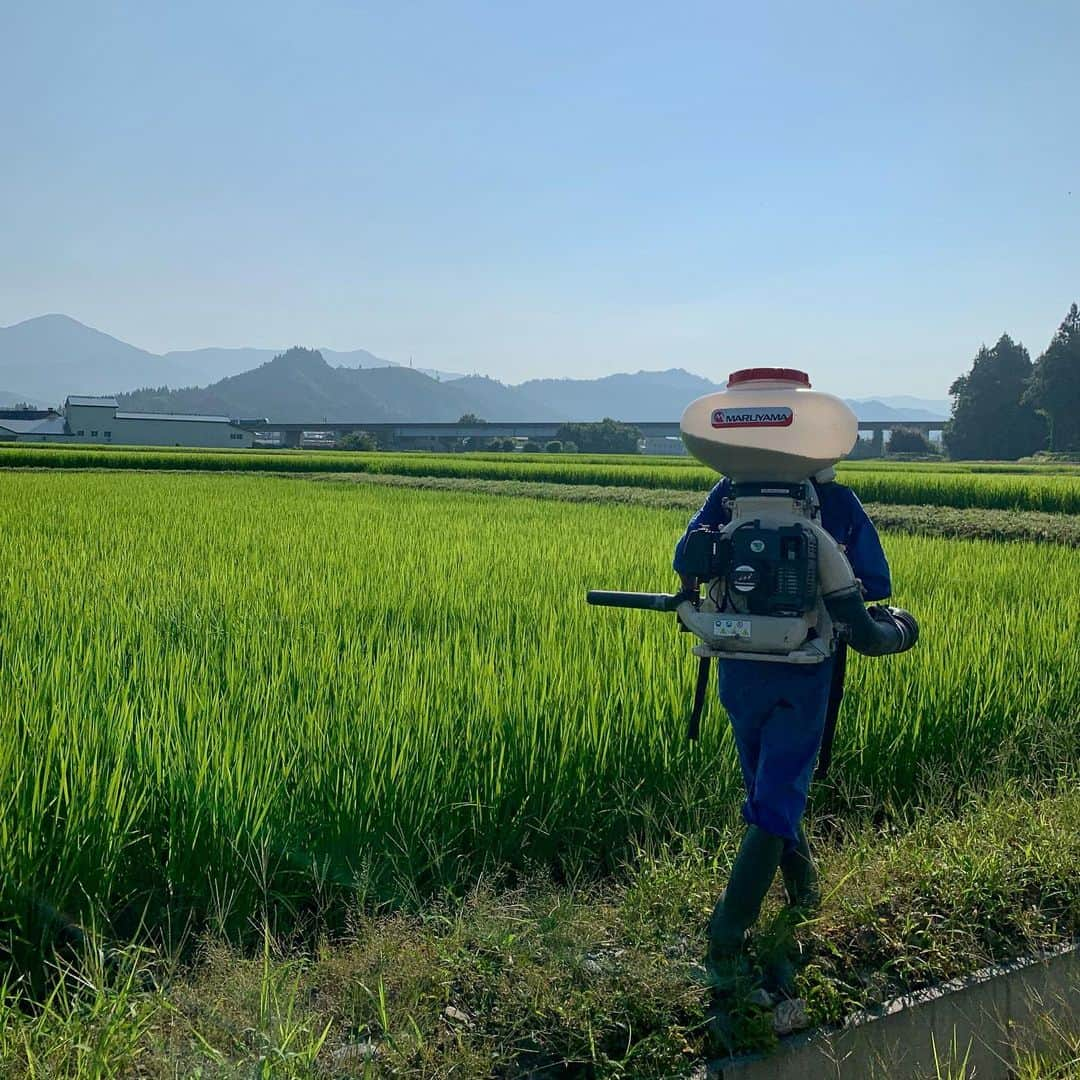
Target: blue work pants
<point>777,714</point>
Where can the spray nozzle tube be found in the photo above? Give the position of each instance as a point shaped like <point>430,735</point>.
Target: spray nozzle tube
<point>645,601</point>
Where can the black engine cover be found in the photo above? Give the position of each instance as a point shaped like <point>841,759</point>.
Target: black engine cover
<point>772,571</point>
<point>706,554</point>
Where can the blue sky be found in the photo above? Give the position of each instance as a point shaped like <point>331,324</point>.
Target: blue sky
<point>866,190</point>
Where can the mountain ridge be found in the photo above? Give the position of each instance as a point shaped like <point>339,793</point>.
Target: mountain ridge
<point>52,356</point>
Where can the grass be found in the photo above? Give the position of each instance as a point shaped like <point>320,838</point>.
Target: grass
<point>1061,1061</point>
<point>587,978</point>
<point>306,695</point>
<point>365,743</point>
<point>1051,489</point>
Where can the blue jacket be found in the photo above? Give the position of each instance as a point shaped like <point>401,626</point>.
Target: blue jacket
<point>842,517</point>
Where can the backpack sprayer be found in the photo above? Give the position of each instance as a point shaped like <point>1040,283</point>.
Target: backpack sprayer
<point>772,584</point>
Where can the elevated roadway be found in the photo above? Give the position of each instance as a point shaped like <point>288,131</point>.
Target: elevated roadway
<point>406,433</point>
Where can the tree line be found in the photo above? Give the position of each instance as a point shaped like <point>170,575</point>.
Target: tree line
<point>1007,407</point>
<point>604,437</point>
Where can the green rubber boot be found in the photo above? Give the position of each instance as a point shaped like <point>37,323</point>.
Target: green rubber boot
<point>800,875</point>
<point>752,874</point>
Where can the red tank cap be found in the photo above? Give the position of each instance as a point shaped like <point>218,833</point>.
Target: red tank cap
<point>751,374</point>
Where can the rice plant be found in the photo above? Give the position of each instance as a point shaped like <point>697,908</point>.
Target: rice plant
<point>1051,489</point>
<point>254,688</point>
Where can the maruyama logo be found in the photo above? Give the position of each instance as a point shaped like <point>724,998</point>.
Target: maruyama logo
<point>752,416</point>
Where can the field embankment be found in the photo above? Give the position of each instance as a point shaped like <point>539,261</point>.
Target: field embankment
<point>1044,489</point>
<point>945,521</point>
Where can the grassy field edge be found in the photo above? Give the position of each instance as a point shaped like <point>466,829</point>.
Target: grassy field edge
<point>552,979</point>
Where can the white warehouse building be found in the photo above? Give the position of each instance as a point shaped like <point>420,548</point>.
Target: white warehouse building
<point>100,420</point>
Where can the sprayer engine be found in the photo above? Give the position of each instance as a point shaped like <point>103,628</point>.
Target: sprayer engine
<point>760,591</point>
<point>756,570</point>
<point>760,594</point>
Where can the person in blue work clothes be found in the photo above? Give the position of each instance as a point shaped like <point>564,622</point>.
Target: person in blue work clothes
<point>778,715</point>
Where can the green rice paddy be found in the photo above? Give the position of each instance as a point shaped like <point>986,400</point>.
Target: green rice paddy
<point>241,687</point>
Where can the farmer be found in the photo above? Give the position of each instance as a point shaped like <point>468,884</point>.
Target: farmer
<point>778,715</point>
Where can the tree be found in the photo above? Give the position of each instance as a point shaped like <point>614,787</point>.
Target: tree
<point>532,447</point>
<point>1054,387</point>
<point>989,420</point>
<point>863,450</point>
<point>909,441</point>
<point>553,447</point>
<point>607,437</point>
<point>358,440</point>
<point>472,419</point>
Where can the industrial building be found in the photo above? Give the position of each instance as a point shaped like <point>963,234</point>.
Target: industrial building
<point>663,444</point>
<point>99,420</point>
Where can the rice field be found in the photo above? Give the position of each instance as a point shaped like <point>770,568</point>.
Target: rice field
<point>16,454</point>
<point>1048,489</point>
<point>216,689</point>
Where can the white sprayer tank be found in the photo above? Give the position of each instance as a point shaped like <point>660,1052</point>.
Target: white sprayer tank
<point>768,425</point>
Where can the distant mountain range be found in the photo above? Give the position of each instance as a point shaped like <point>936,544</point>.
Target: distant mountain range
<point>43,360</point>
<point>901,407</point>
<point>9,401</point>
<point>301,385</point>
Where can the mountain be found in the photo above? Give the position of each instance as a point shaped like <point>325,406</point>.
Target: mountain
<point>901,407</point>
<point>494,400</point>
<point>202,366</point>
<point>905,402</point>
<point>297,379</point>
<point>300,384</point>
<point>46,358</point>
<point>52,356</point>
<point>9,400</point>
<point>648,395</point>
<point>877,409</point>
<point>362,358</point>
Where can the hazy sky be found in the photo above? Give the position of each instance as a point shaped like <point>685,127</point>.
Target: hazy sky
<point>867,190</point>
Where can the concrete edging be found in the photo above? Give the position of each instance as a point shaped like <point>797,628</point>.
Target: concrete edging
<point>979,1020</point>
